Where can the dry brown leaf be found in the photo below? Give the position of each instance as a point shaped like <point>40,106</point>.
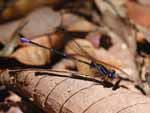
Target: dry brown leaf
<point>72,48</point>
<point>33,55</point>
<point>74,23</point>
<point>41,21</point>
<point>57,93</point>
<point>14,9</point>
<point>138,13</point>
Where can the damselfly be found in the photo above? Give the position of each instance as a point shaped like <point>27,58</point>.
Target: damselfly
<point>98,65</point>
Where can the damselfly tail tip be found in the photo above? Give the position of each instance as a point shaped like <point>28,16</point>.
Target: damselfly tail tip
<point>24,40</point>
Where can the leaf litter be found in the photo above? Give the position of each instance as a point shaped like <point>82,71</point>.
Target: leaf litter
<point>111,36</point>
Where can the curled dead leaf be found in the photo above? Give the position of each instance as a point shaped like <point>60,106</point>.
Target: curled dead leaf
<point>74,23</point>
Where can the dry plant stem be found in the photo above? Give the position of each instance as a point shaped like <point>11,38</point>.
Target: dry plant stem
<point>58,92</point>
